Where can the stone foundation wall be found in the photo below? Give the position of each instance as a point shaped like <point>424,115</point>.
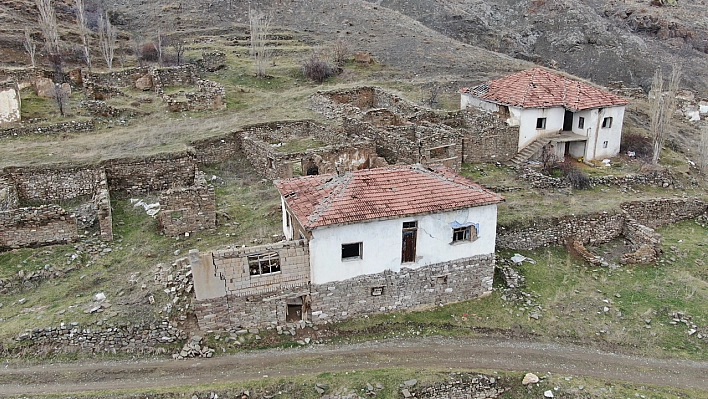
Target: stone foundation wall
<point>593,229</point>
<point>184,75</point>
<point>218,149</point>
<point>430,285</point>
<point>212,61</point>
<point>150,174</point>
<point>660,212</point>
<point>55,183</point>
<point>36,226</point>
<point>187,209</point>
<point>121,79</point>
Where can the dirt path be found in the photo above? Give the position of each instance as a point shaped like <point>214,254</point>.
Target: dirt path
<point>477,353</point>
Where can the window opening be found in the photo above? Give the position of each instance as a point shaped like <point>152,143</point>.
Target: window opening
<point>351,251</point>
<point>607,122</point>
<point>604,144</point>
<point>266,263</point>
<point>377,291</point>
<point>581,122</point>
<point>465,233</point>
<point>541,123</point>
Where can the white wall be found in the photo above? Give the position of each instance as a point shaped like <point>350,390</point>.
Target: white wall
<point>612,135</point>
<point>470,101</point>
<point>382,242</point>
<point>9,105</point>
<point>287,230</point>
<point>527,129</point>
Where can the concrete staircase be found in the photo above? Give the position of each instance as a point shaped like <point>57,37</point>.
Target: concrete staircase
<point>527,152</point>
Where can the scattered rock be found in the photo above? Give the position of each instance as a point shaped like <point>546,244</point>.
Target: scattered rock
<point>530,378</point>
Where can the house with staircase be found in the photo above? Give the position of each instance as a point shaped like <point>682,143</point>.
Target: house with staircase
<point>570,117</point>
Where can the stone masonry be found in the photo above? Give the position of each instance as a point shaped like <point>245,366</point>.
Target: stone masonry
<point>54,183</point>
<point>187,209</point>
<point>8,195</point>
<point>36,226</point>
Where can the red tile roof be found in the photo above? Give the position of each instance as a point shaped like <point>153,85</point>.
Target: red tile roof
<point>378,193</point>
<point>539,88</point>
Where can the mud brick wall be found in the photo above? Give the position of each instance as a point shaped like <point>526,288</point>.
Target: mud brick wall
<point>55,183</point>
<point>593,229</point>
<point>36,226</point>
<point>409,289</point>
<point>8,195</point>
<point>56,128</point>
<point>233,268</point>
<point>216,150</point>
<point>149,174</point>
<point>187,209</point>
<point>660,212</point>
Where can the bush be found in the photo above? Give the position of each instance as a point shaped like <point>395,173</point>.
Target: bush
<point>317,69</point>
<point>640,145</point>
<point>577,179</point>
<point>149,52</point>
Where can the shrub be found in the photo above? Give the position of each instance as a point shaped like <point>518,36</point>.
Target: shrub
<point>317,69</point>
<point>149,52</point>
<point>577,179</point>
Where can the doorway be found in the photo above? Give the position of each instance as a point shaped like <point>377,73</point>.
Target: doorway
<point>568,121</point>
<point>410,233</point>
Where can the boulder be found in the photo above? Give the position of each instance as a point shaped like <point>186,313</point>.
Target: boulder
<point>144,83</point>
<point>362,57</point>
<point>44,87</point>
<point>530,378</point>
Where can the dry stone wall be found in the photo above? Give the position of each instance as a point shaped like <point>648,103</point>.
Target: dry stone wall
<point>54,183</point>
<point>150,174</point>
<point>8,195</point>
<point>216,150</point>
<point>56,128</point>
<point>660,212</point>
<point>430,285</point>
<point>36,226</point>
<point>187,209</point>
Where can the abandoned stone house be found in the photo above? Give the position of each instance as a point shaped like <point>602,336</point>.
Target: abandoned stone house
<point>368,241</point>
<point>578,119</point>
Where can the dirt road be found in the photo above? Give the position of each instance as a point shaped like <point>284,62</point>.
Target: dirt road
<point>484,353</point>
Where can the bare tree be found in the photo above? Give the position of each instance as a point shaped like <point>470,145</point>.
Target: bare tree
<point>83,30</point>
<point>260,26</point>
<point>662,107</point>
<point>107,35</point>
<point>158,46</point>
<point>30,46</point>
<point>136,41</point>
<point>703,150</point>
<point>340,52</point>
<point>178,45</point>
<point>48,25</point>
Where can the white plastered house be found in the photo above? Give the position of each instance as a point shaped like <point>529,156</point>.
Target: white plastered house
<point>581,120</point>
<point>385,219</point>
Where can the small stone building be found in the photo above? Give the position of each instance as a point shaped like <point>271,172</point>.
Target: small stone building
<point>363,242</point>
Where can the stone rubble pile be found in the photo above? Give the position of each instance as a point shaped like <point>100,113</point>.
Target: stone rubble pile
<point>463,386</point>
<point>194,348</point>
<point>177,282</point>
<point>693,328</point>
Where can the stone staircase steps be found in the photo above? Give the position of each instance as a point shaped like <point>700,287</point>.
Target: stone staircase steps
<point>526,153</point>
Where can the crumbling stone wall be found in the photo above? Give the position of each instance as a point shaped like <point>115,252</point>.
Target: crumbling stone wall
<point>212,61</point>
<point>593,229</point>
<point>36,226</point>
<point>187,209</point>
<point>487,138</point>
<point>149,174</point>
<point>218,149</point>
<point>8,195</point>
<point>253,300</point>
<point>102,206</point>
<point>121,338</point>
<point>55,128</point>
<point>124,78</point>
<point>47,184</point>
<point>184,75</point>
<point>210,97</point>
<point>646,243</point>
<point>430,285</point>
<point>660,212</point>
<point>9,103</point>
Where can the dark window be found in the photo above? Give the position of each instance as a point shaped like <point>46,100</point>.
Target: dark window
<point>351,251</point>
<point>581,122</point>
<point>287,219</point>
<point>410,225</point>
<point>377,291</point>
<point>264,263</point>
<point>541,123</point>
<point>468,233</point>
<point>607,122</point>
<point>410,236</point>
<point>604,144</point>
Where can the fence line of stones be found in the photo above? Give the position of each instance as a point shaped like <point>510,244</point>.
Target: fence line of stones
<point>661,179</point>
<point>55,128</point>
<point>121,338</point>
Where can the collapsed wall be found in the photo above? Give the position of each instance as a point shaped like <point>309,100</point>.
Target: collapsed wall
<point>142,175</point>
<point>36,226</point>
<point>187,209</point>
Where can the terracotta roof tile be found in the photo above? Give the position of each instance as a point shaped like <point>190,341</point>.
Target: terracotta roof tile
<point>380,193</point>
<point>539,88</point>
